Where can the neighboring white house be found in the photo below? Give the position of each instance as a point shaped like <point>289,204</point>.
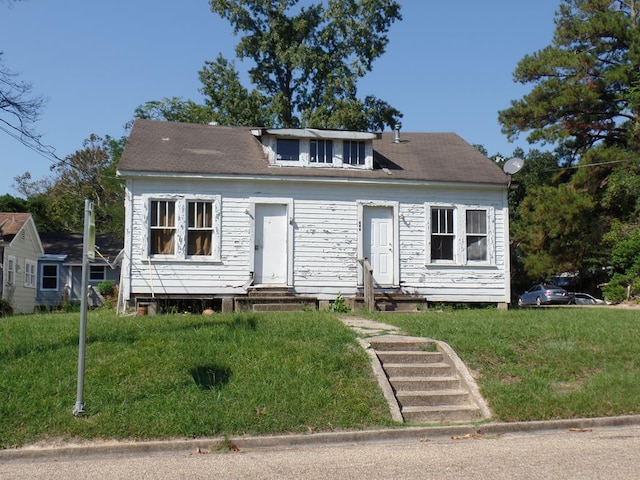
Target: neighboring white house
<point>20,248</point>
<point>214,211</point>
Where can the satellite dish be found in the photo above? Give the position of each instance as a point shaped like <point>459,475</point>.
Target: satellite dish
<point>513,166</point>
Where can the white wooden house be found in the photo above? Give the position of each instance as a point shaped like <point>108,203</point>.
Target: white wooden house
<point>217,212</point>
<point>20,248</point>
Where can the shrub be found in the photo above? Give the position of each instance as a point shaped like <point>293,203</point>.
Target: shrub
<point>5,308</point>
<point>107,288</point>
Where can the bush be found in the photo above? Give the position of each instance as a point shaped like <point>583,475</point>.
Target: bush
<point>5,308</point>
<point>107,288</point>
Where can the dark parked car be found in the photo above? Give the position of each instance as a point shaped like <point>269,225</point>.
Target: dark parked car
<point>585,299</point>
<point>545,294</point>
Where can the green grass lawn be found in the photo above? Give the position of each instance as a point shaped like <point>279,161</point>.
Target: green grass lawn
<point>183,376</point>
<point>543,363</point>
<point>189,376</point>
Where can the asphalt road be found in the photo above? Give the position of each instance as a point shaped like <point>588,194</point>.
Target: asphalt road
<point>585,454</point>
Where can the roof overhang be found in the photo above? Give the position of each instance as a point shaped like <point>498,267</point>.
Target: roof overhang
<point>316,133</point>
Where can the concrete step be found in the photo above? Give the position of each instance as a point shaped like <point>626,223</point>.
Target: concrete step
<point>413,384</point>
<point>418,370</point>
<point>264,303</point>
<point>432,398</point>
<point>442,414</point>
<point>401,356</point>
<point>391,343</point>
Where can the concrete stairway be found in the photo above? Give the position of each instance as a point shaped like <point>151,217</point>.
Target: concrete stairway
<point>429,381</point>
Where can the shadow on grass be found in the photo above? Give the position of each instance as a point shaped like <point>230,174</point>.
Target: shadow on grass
<point>209,377</point>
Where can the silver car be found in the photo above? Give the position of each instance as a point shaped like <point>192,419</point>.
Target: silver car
<point>544,294</point>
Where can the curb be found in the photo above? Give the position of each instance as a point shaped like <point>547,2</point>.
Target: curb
<point>220,444</point>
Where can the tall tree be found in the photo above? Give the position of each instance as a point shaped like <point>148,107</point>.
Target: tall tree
<point>89,173</point>
<point>585,85</point>
<point>307,61</point>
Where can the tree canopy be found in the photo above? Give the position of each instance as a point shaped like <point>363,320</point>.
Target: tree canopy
<point>584,102</point>
<point>307,61</point>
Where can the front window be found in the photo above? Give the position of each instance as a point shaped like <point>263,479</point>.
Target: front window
<point>353,152</point>
<point>321,151</point>
<point>288,149</point>
<point>49,277</point>
<point>442,234</point>
<point>29,274</point>
<point>200,228</point>
<point>97,273</point>
<point>476,235</point>
<point>163,227</point>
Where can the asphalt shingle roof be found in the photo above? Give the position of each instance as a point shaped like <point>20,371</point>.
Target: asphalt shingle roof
<point>184,148</point>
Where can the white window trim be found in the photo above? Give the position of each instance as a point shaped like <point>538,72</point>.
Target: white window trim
<point>181,228</point>
<point>104,273</point>
<point>30,268</point>
<point>11,270</point>
<point>270,147</point>
<point>460,235</point>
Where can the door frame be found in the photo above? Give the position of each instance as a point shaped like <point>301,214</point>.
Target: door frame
<point>288,204</point>
<point>395,206</point>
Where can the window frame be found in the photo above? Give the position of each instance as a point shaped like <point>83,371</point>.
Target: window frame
<point>30,274</point>
<point>461,255</point>
<point>210,228</point>
<point>361,154</point>
<point>162,229</point>
<point>294,154</point>
<point>93,268</point>
<point>327,153</point>
<point>452,235</point>
<point>44,277</point>
<point>483,235</point>
<point>181,235</point>
<point>11,270</point>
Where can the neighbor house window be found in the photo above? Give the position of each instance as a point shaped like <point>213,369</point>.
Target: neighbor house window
<point>49,277</point>
<point>29,274</point>
<point>288,149</point>
<point>162,227</point>
<point>200,228</point>
<point>97,273</point>
<point>476,231</point>
<point>353,152</point>
<point>442,233</point>
<point>11,270</point>
<point>321,151</point>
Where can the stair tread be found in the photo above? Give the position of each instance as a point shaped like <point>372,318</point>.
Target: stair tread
<point>425,378</point>
<point>438,408</point>
<point>416,393</point>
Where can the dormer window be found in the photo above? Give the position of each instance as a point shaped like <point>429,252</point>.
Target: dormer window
<point>321,151</point>
<point>288,149</point>
<point>353,152</point>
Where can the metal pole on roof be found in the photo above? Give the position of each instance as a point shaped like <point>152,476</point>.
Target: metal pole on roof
<point>88,254</point>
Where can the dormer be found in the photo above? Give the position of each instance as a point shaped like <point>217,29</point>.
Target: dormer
<point>315,148</point>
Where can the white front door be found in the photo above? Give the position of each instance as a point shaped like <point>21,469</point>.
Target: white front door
<point>270,256</point>
<point>378,243</point>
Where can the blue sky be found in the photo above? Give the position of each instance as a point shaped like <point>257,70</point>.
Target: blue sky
<point>448,66</point>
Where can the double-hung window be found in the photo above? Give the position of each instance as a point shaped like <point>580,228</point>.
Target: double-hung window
<point>321,151</point>
<point>29,274</point>
<point>200,228</point>
<point>49,277</point>
<point>353,152</point>
<point>162,227</point>
<point>476,231</point>
<point>442,234</point>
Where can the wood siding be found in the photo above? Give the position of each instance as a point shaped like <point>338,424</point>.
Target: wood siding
<point>326,225</point>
